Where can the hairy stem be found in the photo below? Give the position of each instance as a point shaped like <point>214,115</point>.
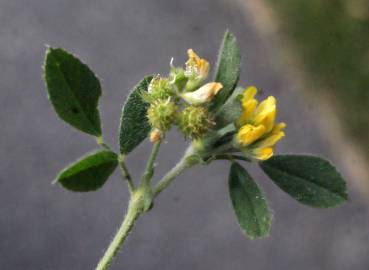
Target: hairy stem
<point>122,165</point>
<point>132,214</point>
<point>126,174</point>
<point>149,171</point>
<point>141,199</point>
<point>183,164</point>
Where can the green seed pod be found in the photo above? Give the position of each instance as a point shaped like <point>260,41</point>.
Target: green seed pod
<point>160,89</point>
<point>194,122</point>
<point>161,114</point>
<point>178,78</point>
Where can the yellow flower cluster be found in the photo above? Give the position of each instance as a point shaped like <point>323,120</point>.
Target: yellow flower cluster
<point>258,132</point>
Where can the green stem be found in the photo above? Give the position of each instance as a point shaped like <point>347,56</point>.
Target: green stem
<point>100,141</point>
<point>125,173</point>
<point>122,164</point>
<point>183,164</point>
<point>141,198</point>
<point>132,214</point>
<point>230,157</point>
<point>149,171</point>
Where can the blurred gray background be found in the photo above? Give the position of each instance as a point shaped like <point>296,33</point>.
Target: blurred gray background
<point>192,225</point>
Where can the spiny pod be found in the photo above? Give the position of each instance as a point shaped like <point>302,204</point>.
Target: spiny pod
<point>194,122</point>
<point>160,89</point>
<point>161,114</point>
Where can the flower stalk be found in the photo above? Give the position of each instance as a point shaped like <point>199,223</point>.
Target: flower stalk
<point>183,164</point>
<point>149,171</point>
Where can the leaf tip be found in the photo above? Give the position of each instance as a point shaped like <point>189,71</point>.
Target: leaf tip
<point>55,181</point>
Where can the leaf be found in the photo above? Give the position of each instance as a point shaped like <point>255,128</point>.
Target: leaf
<point>249,203</point>
<point>73,89</point>
<point>228,69</point>
<point>231,111</point>
<point>134,125</point>
<point>310,180</point>
<point>89,173</point>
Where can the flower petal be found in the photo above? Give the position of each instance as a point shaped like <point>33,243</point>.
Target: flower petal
<point>270,141</point>
<point>203,94</point>
<point>265,113</point>
<point>278,127</point>
<point>196,66</point>
<point>249,134</point>
<point>262,153</point>
<point>249,94</point>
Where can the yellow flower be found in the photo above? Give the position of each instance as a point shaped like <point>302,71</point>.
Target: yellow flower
<point>258,132</point>
<point>204,94</point>
<point>265,113</point>
<point>196,67</point>
<point>248,104</point>
<point>263,149</point>
<point>249,134</point>
<point>262,153</point>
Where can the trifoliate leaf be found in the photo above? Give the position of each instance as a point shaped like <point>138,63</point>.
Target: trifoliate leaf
<point>134,125</point>
<point>89,173</point>
<point>310,180</point>
<point>249,203</point>
<point>73,90</point>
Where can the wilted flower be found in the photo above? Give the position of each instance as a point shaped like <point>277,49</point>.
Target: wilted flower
<point>203,94</point>
<point>196,67</point>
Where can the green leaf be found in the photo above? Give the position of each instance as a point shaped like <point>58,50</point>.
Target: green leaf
<point>74,90</point>
<point>134,125</point>
<point>228,69</point>
<point>231,111</point>
<point>310,180</point>
<point>89,173</point>
<point>249,203</point>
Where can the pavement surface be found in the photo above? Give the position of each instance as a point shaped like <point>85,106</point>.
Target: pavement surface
<point>192,226</point>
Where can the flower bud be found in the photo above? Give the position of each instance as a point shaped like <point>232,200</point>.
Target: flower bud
<point>203,94</point>
<point>155,135</point>
<point>194,122</point>
<point>161,114</point>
